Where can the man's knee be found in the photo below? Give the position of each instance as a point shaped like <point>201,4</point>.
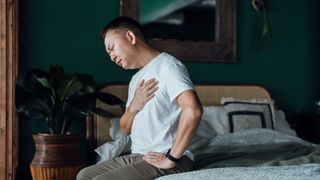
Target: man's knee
<point>100,177</point>
<point>84,174</point>
<point>113,176</point>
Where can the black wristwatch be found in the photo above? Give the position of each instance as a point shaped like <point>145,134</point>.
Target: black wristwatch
<point>171,158</point>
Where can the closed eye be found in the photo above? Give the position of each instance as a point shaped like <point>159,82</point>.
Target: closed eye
<point>110,48</point>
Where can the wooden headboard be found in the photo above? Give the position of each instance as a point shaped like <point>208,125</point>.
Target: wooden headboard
<point>98,129</point>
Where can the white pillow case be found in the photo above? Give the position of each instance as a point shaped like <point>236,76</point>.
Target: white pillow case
<point>113,149</point>
<point>115,131</point>
<point>215,121</point>
<point>282,124</point>
<point>249,113</point>
<point>120,145</point>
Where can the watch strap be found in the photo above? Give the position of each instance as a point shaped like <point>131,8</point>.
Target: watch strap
<point>171,158</point>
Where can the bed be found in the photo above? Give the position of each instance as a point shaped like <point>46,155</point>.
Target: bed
<point>241,136</point>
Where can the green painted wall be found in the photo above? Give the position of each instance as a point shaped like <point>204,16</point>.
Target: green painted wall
<point>67,32</point>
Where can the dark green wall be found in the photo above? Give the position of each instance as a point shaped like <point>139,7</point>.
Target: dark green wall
<point>67,33</point>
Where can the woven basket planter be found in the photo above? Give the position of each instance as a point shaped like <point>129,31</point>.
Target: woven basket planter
<point>57,157</point>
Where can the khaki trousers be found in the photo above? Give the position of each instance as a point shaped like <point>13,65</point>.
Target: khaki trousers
<point>130,167</point>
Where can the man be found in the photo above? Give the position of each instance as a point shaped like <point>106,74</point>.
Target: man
<point>163,110</point>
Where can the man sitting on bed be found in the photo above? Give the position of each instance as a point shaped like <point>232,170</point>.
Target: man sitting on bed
<point>163,110</point>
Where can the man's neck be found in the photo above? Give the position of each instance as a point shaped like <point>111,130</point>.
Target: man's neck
<point>147,55</point>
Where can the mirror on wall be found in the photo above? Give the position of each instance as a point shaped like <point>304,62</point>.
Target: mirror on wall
<point>191,30</point>
<point>179,20</point>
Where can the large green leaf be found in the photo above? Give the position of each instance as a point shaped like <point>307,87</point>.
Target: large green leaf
<point>87,103</point>
<point>34,106</point>
<point>87,81</point>
<point>32,114</point>
<point>32,85</point>
<point>109,98</point>
<point>71,87</point>
<point>45,83</point>
<point>103,112</point>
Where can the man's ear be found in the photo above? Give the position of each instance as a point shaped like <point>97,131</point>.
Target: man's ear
<point>131,37</point>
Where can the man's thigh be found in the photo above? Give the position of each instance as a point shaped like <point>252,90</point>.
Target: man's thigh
<point>141,170</point>
<point>107,166</point>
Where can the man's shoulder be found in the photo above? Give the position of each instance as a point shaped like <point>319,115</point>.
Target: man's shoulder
<point>169,61</point>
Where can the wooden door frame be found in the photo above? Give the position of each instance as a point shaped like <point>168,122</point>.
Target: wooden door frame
<point>9,129</point>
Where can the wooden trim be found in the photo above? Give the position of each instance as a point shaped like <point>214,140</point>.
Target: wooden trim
<point>222,50</point>
<point>91,140</point>
<point>185,50</point>
<point>130,8</point>
<point>9,69</point>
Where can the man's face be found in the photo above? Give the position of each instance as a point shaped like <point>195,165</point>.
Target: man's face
<point>119,48</point>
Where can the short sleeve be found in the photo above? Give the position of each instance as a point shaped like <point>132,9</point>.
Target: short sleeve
<point>130,94</point>
<point>177,81</point>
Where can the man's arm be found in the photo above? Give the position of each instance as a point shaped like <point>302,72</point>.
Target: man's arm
<point>143,93</point>
<point>191,112</point>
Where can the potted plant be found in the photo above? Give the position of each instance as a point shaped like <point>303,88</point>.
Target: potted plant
<point>58,98</point>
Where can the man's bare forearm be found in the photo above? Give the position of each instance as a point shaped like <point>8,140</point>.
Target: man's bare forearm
<point>127,119</point>
<point>188,124</point>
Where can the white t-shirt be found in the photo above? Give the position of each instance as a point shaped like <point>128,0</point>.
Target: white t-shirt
<point>154,127</point>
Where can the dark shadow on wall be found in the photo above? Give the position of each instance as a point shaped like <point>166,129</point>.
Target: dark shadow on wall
<point>315,15</point>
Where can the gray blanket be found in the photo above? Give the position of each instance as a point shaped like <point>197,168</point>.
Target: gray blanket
<point>254,147</point>
<point>295,172</point>
<point>267,152</point>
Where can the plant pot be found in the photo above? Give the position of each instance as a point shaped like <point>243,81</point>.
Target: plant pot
<point>57,157</point>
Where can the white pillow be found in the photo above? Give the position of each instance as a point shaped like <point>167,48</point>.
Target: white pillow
<point>215,118</point>
<point>282,124</point>
<point>213,123</point>
<point>120,145</point>
<point>248,114</point>
<point>279,119</point>
<point>113,149</point>
<point>115,131</point>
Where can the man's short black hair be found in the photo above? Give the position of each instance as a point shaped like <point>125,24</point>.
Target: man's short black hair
<point>124,23</point>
